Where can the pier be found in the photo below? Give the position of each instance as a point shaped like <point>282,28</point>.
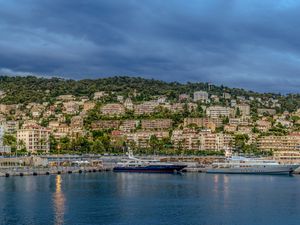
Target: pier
<point>35,171</point>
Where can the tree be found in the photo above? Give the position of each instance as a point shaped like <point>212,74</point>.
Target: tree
<point>240,141</point>
<point>238,112</point>
<point>11,141</point>
<point>97,147</point>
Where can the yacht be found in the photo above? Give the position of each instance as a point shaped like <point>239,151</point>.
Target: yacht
<point>243,165</point>
<point>146,166</point>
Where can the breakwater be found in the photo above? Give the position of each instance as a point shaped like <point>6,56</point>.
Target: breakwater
<point>35,171</point>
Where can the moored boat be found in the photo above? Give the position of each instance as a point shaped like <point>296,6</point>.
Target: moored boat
<point>146,166</point>
<point>242,165</point>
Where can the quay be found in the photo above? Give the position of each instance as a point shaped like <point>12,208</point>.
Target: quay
<point>35,165</point>
<point>35,171</point>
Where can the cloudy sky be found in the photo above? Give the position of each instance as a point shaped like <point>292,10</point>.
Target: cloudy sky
<point>252,44</point>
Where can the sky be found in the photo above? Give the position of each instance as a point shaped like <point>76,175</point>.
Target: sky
<point>250,44</point>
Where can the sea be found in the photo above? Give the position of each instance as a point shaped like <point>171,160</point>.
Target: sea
<point>142,199</point>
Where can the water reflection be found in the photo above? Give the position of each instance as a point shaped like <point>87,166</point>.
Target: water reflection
<point>59,202</point>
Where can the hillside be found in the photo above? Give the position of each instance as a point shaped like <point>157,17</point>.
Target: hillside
<point>33,89</point>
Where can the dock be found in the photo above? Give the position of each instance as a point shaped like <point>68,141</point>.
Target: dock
<point>35,171</point>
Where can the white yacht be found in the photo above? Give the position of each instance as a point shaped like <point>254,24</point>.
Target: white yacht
<point>242,165</point>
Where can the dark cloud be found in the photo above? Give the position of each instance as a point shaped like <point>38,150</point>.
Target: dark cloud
<point>251,44</point>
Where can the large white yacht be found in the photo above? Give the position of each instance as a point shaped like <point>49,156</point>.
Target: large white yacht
<point>242,165</point>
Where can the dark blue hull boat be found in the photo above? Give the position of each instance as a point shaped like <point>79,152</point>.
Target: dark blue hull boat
<point>150,169</point>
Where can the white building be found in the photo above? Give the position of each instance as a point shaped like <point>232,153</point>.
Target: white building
<point>201,96</point>
<point>244,109</point>
<point>217,111</point>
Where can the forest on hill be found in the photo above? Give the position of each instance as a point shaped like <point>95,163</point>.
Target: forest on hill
<point>27,89</point>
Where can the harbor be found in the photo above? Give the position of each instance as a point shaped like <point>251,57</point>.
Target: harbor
<point>135,198</point>
<point>68,164</point>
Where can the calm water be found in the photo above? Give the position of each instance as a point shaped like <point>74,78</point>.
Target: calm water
<point>108,198</point>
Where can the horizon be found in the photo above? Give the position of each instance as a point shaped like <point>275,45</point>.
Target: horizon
<point>238,44</point>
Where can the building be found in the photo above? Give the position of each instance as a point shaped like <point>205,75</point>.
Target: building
<point>244,129</point>
<point>217,111</point>
<point>263,125</point>
<point>53,125</point>
<point>184,97</point>
<point>113,109</point>
<point>128,104</point>
<point>226,95</point>
<point>76,122</point>
<point>215,98</point>
<point>99,95</point>
<point>66,97</point>
<point>177,107</point>
<point>145,108</point>
<point>233,103</point>
<point>88,106</point>
<point>286,149</point>
<point>230,128</point>
<point>244,109</point>
<point>129,125</point>
<point>71,107</point>
<point>263,111</point>
<point>156,124</point>
<point>11,126</point>
<point>142,138</point>
<point>120,98</point>
<point>191,140</point>
<point>33,139</point>
<point>105,124</point>
<point>207,123</point>
<point>3,149</point>
<point>201,96</point>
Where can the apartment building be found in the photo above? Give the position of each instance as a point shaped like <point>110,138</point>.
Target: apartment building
<point>280,143</point>
<point>76,122</point>
<point>244,109</point>
<point>201,96</point>
<point>184,97</point>
<point>33,138</point>
<point>66,97</point>
<point>99,95</point>
<point>207,123</point>
<point>191,140</point>
<point>113,109</point>
<point>71,107</point>
<point>156,124</point>
<point>230,128</point>
<point>129,125</point>
<point>286,149</point>
<point>142,138</point>
<point>217,111</point>
<point>145,108</point>
<point>88,106</point>
<point>105,124</point>
<point>11,126</point>
<point>263,125</point>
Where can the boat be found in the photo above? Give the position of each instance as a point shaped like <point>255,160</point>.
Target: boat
<point>137,165</point>
<point>243,165</point>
